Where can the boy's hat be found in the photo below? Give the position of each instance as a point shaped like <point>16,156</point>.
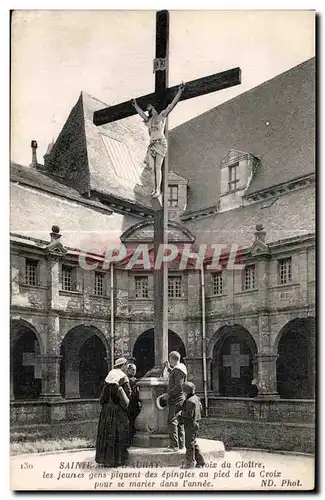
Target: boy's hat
<point>120,362</point>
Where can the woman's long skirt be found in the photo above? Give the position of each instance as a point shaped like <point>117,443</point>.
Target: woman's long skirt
<point>112,436</point>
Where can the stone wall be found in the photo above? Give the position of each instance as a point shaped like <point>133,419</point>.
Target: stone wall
<point>280,410</point>
<point>43,412</point>
<point>239,422</point>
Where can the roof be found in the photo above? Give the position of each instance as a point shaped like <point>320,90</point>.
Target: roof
<point>31,177</point>
<point>108,159</point>
<point>288,216</point>
<point>34,211</point>
<point>274,121</point>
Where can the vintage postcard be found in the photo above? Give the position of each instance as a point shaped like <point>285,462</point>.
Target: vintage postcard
<point>162,250</point>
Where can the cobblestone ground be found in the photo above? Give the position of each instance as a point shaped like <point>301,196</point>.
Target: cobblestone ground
<point>78,471</point>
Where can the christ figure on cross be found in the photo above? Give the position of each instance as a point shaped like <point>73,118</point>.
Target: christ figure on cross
<point>157,148</point>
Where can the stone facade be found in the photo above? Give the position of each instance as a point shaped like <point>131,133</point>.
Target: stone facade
<point>62,321</point>
<point>250,329</point>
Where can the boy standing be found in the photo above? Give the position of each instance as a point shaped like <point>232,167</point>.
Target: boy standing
<point>191,415</point>
<point>177,376</point>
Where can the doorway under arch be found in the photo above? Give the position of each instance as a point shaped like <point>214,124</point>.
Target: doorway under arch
<point>144,350</point>
<point>233,362</point>
<point>84,364</point>
<point>26,366</point>
<point>296,359</point>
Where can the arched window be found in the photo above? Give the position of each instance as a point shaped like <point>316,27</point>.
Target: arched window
<point>144,351</point>
<point>26,364</point>
<point>296,360</point>
<point>84,363</point>
<point>233,360</point>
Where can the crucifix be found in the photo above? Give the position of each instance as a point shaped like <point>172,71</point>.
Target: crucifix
<point>159,104</point>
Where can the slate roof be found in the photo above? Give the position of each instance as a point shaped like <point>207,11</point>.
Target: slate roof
<point>111,159</point>
<point>31,177</point>
<point>116,153</point>
<point>288,216</point>
<point>108,159</point>
<point>274,121</point>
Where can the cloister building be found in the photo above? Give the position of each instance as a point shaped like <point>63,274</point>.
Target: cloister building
<point>243,176</point>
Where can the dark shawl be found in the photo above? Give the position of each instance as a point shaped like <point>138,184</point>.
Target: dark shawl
<point>113,428</point>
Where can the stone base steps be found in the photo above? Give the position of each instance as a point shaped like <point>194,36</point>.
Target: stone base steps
<point>160,457</point>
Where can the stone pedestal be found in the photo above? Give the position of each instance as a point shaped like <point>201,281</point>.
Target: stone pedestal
<point>151,423</point>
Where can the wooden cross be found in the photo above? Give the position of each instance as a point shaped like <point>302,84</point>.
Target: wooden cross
<point>235,360</point>
<point>160,99</point>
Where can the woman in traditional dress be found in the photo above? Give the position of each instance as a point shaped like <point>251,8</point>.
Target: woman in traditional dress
<point>113,426</point>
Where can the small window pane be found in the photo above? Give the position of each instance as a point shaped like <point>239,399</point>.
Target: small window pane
<point>233,176</point>
<point>99,283</point>
<point>173,196</point>
<point>217,283</point>
<point>174,287</point>
<point>31,272</point>
<point>66,278</point>
<point>285,271</point>
<point>141,287</point>
<point>249,278</point>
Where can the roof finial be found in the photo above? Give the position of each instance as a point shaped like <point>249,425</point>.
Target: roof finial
<point>55,247</point>
<point>260,234</point>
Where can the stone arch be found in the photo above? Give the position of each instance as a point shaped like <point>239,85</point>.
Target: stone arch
<point>26,350</point>
<point>232,351</point>
<point>144,353</point>
<point>67,325</point>
<point>295,345</point>
<point>84,362</point>
<point>143,232</point>
<point>17,327</point>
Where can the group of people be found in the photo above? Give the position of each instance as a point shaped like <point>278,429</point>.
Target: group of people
<point>121,405</point>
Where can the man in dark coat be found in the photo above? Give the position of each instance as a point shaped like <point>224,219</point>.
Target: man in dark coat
<point>177,377</point>
<point>134,407</point>
<point>191,416</point>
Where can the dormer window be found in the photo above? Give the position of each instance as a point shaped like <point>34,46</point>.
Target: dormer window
<point>176,195</point>
<point>237,170</point>
<point>233,176</point>
<point>173,195</point>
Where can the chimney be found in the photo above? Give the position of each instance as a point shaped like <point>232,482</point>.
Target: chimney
<point>260,234</point>
<point>33,145</point>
